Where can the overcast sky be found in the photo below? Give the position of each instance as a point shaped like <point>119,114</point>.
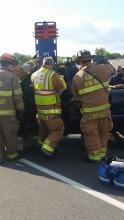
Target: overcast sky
<point>82,24</point>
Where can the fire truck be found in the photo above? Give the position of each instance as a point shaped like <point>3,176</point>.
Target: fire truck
<point>46,34</point>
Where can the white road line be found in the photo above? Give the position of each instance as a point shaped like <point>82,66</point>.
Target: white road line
<point>75,184</point>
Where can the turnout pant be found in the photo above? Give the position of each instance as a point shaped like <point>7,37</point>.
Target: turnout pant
<point>8,135</point>
<point>95,133</point>
<point>51,131</point>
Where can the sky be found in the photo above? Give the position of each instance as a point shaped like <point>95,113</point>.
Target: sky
<point>82,24</point>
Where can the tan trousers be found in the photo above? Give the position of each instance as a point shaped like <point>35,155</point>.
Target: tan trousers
<point>8,135</point>
<point>96,133</point>
<point>52,130</point>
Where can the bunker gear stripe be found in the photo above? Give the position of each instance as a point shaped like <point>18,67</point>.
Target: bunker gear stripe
<point>93,88</point>
<point>5,93</point>
<point>48,148</point>
<point>49,111</point>
<point>95,109</point>
<point>44,92</point>
<point>7,112</point>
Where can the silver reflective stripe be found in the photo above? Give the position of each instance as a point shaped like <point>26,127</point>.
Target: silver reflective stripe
<point>40,92</point>
<point>119,184</point>
<point>47,80</point>
<point>104,179</point>
<point>49,111</point>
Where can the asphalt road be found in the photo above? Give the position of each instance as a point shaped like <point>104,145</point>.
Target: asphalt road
<point>67,189</point>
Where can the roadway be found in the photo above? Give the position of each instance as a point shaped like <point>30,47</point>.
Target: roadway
<point>64,189</point>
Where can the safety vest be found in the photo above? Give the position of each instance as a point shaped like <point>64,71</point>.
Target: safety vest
<point>91,86</point>
<point>45,95</point>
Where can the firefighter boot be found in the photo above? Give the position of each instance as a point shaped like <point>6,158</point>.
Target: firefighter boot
<point>14,156</point>
<point>47,153</point>
<point>95,156</point>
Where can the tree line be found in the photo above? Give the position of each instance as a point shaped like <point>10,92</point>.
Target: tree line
<point>103,52</point>
<point>98,51</point>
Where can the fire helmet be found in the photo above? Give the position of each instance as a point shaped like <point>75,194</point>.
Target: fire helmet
<point>48,61</point>
<point>84,55</point>
<point>10,59</point>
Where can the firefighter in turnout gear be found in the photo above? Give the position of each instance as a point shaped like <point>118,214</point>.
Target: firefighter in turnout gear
<point>90,91</point>
<point>48,87</point>
<point>10,102</point>
<point>31,66</point>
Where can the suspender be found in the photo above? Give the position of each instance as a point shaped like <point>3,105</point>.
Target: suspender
<point>97,78</point>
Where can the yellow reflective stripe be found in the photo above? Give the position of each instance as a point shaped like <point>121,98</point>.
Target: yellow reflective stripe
<point>12,156</point>
<point>47,81</point>
<point>44,70</point>
<point>51,81</point>
<point>17,91</point>
<point>95,109</point>
<point>48,148</point>
<point>5,93</point>
<point>64,83</point>
<point>7,112</point>
<point>93,88</point>
<point>49,111</point>
<point>45,100</point>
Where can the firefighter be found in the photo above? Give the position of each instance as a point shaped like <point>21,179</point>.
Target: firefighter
<point>10,102</point>
<point>31,66</point>
<point>25,70</point>
<point>117,80</point>
<point>89,88</point>
<point>48,87</point>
